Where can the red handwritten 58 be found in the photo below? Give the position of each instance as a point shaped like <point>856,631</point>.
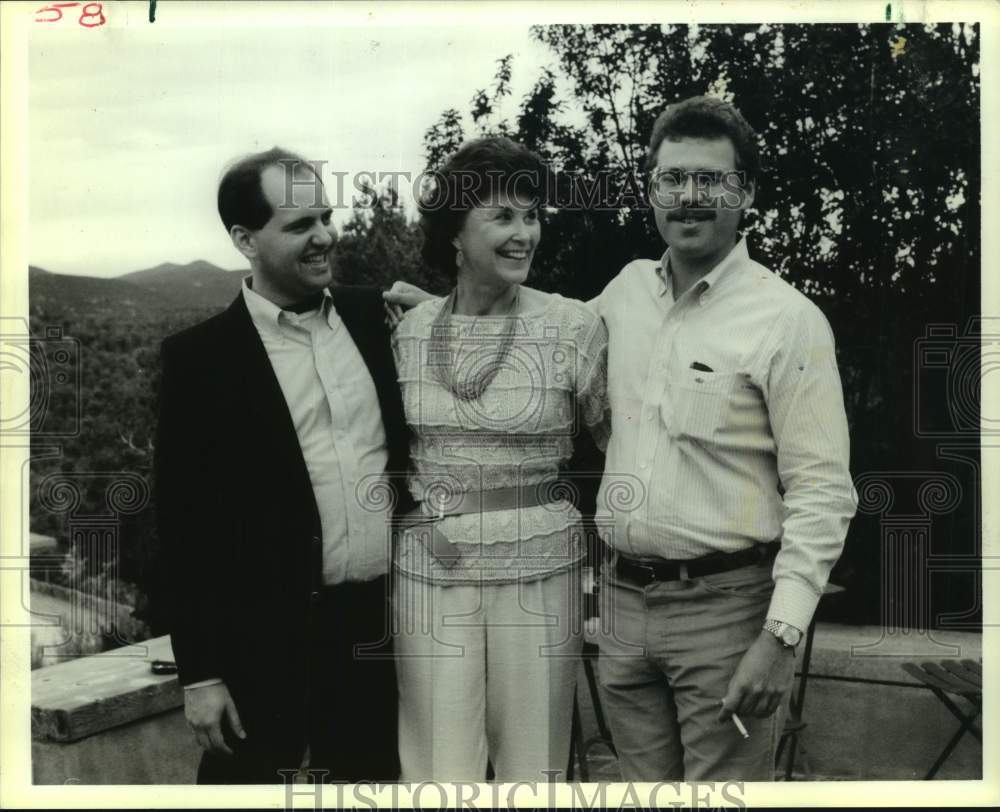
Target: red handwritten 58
<point>91,15</point>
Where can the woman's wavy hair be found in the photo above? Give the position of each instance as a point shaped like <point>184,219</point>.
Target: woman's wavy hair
<point>469,178</point>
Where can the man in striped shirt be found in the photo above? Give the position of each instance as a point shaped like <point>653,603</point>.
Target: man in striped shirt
<point>726,494</point>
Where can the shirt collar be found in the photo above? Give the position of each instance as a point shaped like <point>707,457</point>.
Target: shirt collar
<point>737,257</point>
<point>266,313</point>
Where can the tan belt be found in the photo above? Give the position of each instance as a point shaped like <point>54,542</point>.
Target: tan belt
<point>461,503</point>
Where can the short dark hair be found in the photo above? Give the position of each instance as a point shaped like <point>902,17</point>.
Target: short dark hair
<point>241,199</point>
<point>707,117</point>
<point>468,178</point>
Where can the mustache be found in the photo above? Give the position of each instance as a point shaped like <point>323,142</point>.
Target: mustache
<point>691,214</point>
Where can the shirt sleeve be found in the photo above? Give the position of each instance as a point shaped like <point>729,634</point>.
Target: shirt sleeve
<point>806,407</point>
<point>394,343</point>
<point>398,339</point>
<point>204,683</point>
<point>592,382</point>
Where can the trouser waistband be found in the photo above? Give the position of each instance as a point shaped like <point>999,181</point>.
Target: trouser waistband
<point>647,571</point>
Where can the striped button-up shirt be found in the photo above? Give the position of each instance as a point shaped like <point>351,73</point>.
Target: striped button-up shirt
<point>332,401</point>
<point>728,424</point>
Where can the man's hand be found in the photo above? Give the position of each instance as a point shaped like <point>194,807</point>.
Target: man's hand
<point>400,298</point>
<point>762,679</point>
<point>204,709</point>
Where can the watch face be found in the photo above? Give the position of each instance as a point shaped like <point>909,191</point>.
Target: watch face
<point>790,636</point>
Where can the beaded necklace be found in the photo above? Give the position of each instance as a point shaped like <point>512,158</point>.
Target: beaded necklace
<point>481,376</point>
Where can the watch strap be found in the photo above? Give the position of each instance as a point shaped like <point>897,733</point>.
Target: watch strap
<point>781,631</point>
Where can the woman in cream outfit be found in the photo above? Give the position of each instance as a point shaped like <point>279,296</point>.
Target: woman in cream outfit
<point>496,379</point>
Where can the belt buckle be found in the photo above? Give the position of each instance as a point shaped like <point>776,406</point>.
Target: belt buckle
<point>649,569</point>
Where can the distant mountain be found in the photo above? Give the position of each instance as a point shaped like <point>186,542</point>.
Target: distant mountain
<point>198,285</point>
<point>57,293</point>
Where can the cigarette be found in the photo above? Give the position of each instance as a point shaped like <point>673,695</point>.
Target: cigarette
<point>740,727</point>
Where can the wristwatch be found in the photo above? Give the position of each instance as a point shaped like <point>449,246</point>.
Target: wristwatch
<point>788,636</point>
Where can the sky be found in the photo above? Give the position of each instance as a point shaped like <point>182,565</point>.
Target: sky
<point>127,140</point>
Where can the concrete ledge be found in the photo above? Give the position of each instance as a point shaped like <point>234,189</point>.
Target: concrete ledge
<point>872,653</point>
<point>79,698</point>
<point>158,749</point>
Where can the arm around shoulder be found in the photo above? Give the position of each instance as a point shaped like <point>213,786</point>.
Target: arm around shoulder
<point>592,380</point>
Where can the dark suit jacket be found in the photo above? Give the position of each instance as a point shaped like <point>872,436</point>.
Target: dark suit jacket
<point>237,515</point>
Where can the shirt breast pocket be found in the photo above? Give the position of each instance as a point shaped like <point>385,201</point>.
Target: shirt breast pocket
<point>697,403</point>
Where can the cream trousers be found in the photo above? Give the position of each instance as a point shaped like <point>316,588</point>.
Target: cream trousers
<point>487,672</point>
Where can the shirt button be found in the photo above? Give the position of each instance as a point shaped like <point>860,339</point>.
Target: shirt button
<point>644,465</point>
<point>314,597</point>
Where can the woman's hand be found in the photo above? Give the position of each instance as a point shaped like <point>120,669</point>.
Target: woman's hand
<point>400,298</point>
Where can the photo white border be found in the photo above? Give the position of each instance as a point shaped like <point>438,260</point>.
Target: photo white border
<point>16,26</point>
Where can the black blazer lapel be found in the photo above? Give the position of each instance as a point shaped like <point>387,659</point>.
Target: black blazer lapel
<point>258,395</point>
<point>361,311</point>
<point>364,323</point>
<point>352,307</point>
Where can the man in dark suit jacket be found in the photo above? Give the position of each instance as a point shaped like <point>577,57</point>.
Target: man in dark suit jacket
<point>279,419</point>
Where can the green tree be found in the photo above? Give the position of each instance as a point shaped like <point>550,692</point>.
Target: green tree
<point>380,245</point>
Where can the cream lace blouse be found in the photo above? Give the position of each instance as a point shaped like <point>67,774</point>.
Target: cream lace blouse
<point>552,384</point>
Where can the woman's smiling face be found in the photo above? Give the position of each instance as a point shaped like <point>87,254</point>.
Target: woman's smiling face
<point>498,239</point>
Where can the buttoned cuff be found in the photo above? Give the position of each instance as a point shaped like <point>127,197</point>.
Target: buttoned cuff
<point>204,683</point>
<point>793,602</point>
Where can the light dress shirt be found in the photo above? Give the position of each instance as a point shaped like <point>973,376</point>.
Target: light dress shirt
<point>727,424</point>
<point>333,404</point>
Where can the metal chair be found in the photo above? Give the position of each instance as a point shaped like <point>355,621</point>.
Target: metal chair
<point>579,747</point>
<point>796,702</point>
<point>963,678</point>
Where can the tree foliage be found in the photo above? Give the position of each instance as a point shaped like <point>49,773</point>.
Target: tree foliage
<point>380,245</point>
<point>102,431</point>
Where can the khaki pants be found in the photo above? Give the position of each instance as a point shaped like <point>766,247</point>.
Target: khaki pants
<point>486,672</point>
<point>667,653</point>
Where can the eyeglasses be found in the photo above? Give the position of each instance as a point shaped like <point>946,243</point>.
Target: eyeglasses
<point>662,180</point>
